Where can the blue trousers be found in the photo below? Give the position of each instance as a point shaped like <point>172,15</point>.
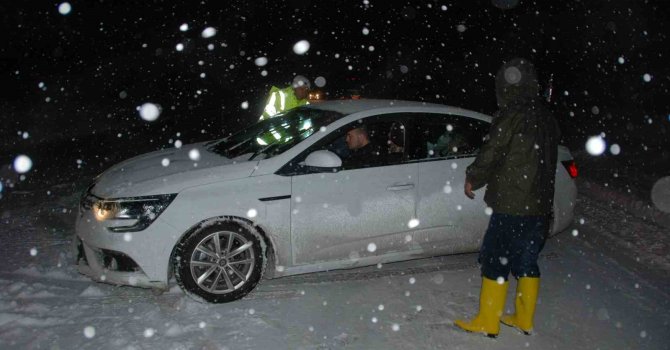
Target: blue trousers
<point>512,243</point>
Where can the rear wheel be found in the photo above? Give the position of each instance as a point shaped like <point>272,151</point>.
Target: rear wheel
<point>220,263</point>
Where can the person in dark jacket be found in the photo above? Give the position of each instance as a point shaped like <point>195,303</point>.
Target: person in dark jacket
<point>518,166</point>
<point>363,152</point>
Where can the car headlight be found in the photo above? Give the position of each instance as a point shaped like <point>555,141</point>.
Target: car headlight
<point>132,214</point>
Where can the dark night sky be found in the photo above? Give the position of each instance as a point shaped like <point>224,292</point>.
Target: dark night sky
<point>105,58</point>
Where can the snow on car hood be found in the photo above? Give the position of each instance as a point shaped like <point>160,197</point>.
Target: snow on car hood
<point>147,174</point>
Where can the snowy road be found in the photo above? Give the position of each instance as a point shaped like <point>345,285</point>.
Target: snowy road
<point>594,295</point>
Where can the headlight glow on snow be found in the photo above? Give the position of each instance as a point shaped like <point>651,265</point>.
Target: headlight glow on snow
<point>138,212</point>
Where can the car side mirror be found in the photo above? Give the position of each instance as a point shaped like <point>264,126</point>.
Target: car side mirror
<point>323,161</point>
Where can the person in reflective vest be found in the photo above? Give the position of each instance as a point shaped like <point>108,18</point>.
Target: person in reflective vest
<point>281,100</point>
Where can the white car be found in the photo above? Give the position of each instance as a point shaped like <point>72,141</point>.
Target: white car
<point>281,198</point>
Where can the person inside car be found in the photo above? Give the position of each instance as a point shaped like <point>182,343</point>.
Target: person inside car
<point>396,140</point>
<point>363,152</point>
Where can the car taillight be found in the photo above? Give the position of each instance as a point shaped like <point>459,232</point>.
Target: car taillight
<point>571,167</point>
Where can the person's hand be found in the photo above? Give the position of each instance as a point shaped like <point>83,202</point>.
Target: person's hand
<point>468,189</point>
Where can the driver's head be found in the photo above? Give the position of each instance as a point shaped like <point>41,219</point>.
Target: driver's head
<point>357,138</point>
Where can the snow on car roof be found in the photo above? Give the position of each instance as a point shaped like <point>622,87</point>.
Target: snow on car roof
<point>347,107</point>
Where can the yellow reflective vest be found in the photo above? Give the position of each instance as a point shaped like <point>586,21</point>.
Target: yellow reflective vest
<point>281,100</point>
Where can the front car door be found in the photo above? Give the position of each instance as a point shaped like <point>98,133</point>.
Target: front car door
<point>360,210</point>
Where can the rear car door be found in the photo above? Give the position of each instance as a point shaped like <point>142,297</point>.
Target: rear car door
<point>443,145</point>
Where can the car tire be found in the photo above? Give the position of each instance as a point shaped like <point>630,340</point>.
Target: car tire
<point>220,274</point>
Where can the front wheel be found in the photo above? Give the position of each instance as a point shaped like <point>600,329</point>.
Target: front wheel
<point>220,263</point>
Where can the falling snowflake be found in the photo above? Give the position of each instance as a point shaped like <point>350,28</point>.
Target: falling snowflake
<point>301,47</point>
<point>64,8</point>
<point>372,247</point>
<point>183,27</point>
<point>194,154</point>
<point>208,32</point>
<point>660,194</point>
<point>149,111</point>
<point>165,162</point>
<point>320,81</point>
<point>413,223</point>
<point>89,332</point>
<point>22,164</point>
<point>251,213</point>
<point>615,149</point>
<point>244,105</point>
<point>261,61</point>
<point>595,145</point>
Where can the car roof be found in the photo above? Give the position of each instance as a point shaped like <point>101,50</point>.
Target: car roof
<point>347,107</point>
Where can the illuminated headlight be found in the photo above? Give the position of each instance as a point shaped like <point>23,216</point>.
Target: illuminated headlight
<point>131,214</point>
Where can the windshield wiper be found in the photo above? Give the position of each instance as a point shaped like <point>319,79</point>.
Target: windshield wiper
<point>263,150</point>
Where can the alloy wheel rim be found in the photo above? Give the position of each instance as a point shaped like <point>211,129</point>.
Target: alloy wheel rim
<point>222,262</point>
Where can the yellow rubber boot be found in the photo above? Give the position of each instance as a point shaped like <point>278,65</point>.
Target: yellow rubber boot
<point>526,297</point>
<point>491,304</point>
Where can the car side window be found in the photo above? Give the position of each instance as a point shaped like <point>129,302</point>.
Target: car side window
<point>386,135</point>
<point>367,143</point>
<point>446,136</point>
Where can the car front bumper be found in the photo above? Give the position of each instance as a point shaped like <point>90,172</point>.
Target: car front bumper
<point>139,259</point>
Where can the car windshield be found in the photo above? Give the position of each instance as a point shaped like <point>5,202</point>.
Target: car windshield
<point>273,136</point>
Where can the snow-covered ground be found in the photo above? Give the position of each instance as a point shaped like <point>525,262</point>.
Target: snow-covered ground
<point>604,286</point>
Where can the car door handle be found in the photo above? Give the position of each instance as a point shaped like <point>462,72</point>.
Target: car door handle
<point>400,187</point>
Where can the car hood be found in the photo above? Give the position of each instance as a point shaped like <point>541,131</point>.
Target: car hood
<point>147,175</point>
